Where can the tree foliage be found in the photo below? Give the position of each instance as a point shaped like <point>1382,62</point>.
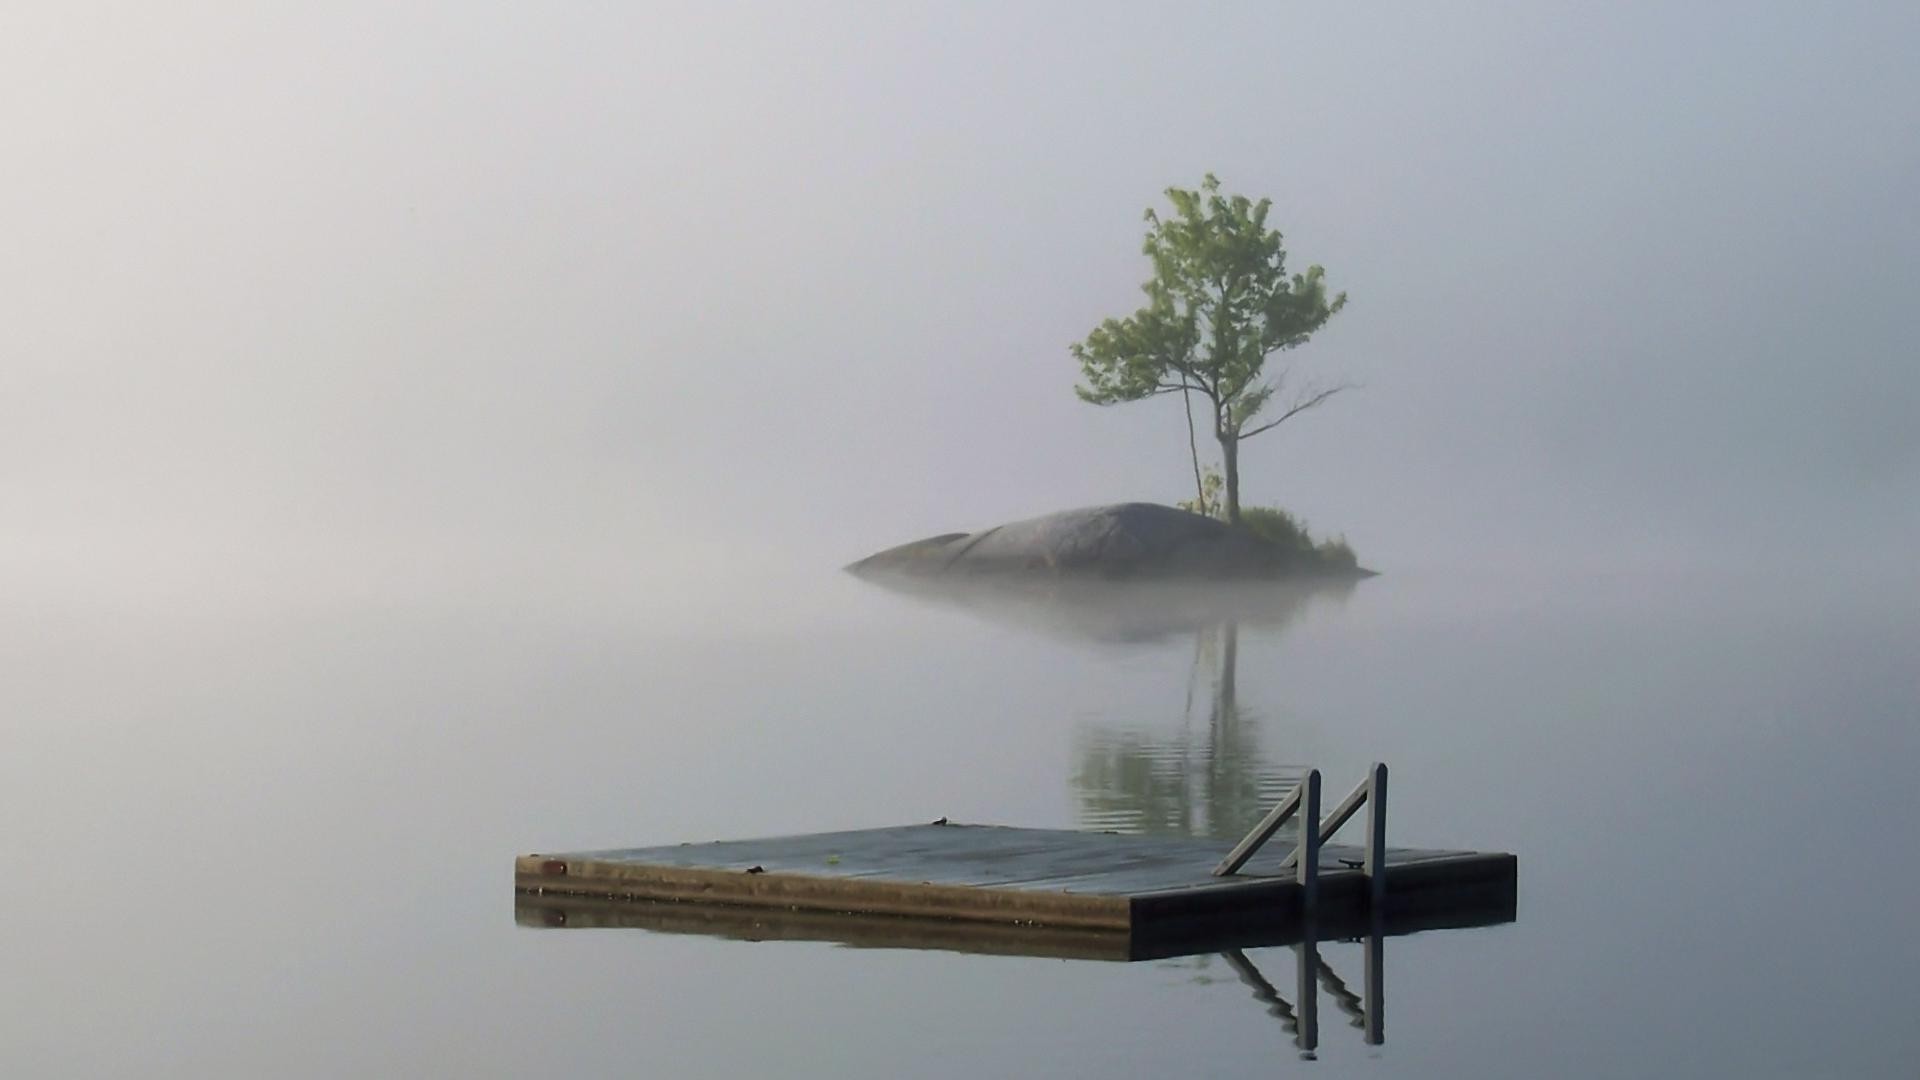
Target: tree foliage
<point>1277,527</point>
<point>1220,305</point>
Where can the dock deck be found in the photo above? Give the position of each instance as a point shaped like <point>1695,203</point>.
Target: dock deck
<point>1144,891</point>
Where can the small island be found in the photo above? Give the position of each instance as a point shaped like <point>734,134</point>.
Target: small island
<point>1120,541</point>
<point>1220,305</point>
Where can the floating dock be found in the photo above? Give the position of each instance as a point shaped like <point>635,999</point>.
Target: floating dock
<point>998,889</point>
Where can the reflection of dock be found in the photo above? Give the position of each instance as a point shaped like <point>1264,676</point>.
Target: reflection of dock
<point>556,911</point>
<point>1149,893</point>
<point>1299,1016</point>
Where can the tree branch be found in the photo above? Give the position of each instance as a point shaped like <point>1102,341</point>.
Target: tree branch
<point>1300,406</point>
<point>1176,387</point>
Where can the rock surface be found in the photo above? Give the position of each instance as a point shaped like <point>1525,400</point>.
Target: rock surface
<point>1121,540</point>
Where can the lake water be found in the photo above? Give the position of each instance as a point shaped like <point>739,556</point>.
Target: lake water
<point>278,842</point>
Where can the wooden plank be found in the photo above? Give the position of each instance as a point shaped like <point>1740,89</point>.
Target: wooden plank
<point>780,924</point>
<point>587,877</point>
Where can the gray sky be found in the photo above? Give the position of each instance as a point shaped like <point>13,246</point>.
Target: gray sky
<point>397,300</point>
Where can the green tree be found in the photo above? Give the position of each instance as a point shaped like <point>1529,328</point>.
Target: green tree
<point>1220,304</point>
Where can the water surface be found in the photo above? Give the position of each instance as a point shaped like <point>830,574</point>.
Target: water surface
<point>280,842</point>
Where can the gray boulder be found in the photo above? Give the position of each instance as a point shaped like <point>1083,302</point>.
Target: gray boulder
<point>1122,540</point>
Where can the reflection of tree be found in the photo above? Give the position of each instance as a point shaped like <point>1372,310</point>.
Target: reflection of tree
<point>1212,783</point>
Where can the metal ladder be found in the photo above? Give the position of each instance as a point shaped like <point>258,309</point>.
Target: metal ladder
<point>1314,832</point>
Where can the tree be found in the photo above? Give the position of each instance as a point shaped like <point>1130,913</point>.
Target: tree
<point>1219,305</point>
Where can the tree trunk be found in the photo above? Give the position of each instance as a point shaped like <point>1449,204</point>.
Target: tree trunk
<point>1230,473</point>
<point>1223,739</point>
<point>1193,450</point>
<point>1226,692</point>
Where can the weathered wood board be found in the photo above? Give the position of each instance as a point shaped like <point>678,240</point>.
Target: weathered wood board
<point>1144,889</point>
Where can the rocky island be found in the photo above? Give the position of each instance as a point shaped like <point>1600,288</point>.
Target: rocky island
<point>1119,541</point>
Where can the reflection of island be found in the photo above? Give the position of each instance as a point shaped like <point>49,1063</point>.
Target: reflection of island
<point>1207,778</point>
<point>1129,612</point>
<point>1211,781</point>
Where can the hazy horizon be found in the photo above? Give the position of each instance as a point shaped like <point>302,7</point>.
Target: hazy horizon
<point>386,299</point>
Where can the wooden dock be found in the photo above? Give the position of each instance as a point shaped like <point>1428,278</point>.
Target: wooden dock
<point>997,889</point>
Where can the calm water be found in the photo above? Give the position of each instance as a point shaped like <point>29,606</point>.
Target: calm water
<point>279,844</point>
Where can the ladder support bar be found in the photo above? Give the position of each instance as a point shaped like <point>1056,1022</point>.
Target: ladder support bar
<point>1260,833</point>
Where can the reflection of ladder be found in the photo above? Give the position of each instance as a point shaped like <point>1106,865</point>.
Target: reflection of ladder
<point>1303,1020</point>
<point>1305,801</point>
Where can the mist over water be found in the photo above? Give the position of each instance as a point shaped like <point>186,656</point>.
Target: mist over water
<point>296,831</point>
<point>429,435</point>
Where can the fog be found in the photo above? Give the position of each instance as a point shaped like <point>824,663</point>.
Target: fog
<point>431,433</point>
<point>424,303</point>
